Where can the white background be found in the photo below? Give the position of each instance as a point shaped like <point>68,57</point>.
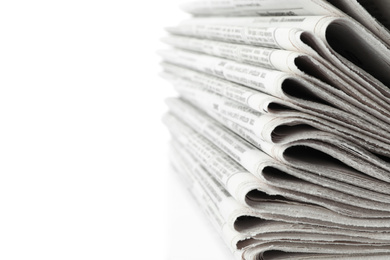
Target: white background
<point>83,156</point>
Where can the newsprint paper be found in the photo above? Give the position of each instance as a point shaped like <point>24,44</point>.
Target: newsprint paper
<point>281,126</point>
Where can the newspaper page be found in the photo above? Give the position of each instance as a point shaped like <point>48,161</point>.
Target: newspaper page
<point>234,177</point>
<point>283,85</point>
<point>255,199</point>
<point>257,123</point>
<point>253,164</point>
<point>373,14</point>
<point>301,64</point>
<point>213,199</point>
<point>342,203</point>
<point>316,36</point>
<point>224,212</point>
<point>281,126</point>
<point>261,7</point>
<point>230,88</point>
<point>299,153</point>
<point>241,244</point>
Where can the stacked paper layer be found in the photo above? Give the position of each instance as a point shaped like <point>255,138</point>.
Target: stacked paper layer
<point>281,127</point>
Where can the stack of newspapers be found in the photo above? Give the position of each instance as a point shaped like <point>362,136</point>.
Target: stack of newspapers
<point>282,124</point>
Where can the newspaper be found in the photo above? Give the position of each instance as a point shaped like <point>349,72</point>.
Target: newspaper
<point>261,7</point>
<point>311,69</point>
<point>314,97</point>
<point>378,138</point>
<point>363,11</point>
<point>313,35</point>
<point>233,114</point>
<point>191,83</point>
<point>262,125</point>
<point>191,115</point>
<point>231,217</point>
<point>249,157</point>
<point>253,191</point>
<point>281,127</point>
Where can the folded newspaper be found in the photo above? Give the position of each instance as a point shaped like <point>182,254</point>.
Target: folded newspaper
<point>282,124</point>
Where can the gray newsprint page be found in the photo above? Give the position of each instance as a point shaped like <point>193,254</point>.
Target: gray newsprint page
<point>281,127</point>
